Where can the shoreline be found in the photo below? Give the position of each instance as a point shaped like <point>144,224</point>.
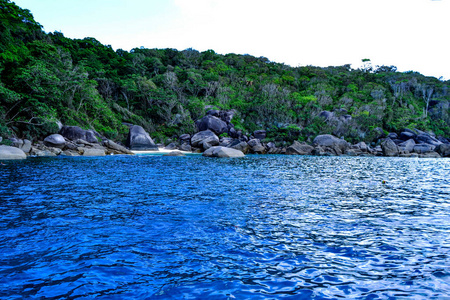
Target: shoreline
<point>161,151</point>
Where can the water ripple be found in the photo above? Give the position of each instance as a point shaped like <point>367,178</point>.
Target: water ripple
<point>152,227</point>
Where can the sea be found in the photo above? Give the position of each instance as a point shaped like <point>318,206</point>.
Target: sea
<point>258,227</point>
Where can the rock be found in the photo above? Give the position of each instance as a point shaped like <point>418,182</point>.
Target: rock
<point>430,154</point>
<point>116,148</point>
<point>11,153</point>
<point>171,146</point>
<point>203,137</point>
<point>239,145</point>
<point>362,147</point>
<point>443,140</point>
<point>139,139</point>
<point>408,145</point>
<point>256,146</point>
<point>233,133</point>
<point>260,134</point>
<point>43,152</point>
<point>443,150</point>
<point>407,135</point>
<point>392,136</point>
<point>299,149</point>
<point>70,153</point>
<point>225,141</point>
<point>226,116</point>
<point>379,133</point>
<point>427,139</point>
<point>185,138</point>
<point>322,151</point>
<point>258,149</point>
<point>83,143</point>
<point>353,152</point>
<point>15,142</point>
<point>74,133</point>
<point>26,147</point>
<point>174,153</point>
<point>185,147</point>
<point>93,152</point>
<point>213,112</point>
<point>212,123</point>
<point>220,151</point>
<point>254,142</point>
<point>423,148</point>
<point>338,146</point>
<point>271,145</point>
<point>327,115</point>
<point>389,148</point>
<point>55,140</point>
<point>91,136</point>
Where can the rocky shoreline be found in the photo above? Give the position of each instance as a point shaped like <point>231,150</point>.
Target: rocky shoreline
<point>217,137</point>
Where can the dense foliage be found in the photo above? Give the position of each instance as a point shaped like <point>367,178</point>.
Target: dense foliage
<point>48,78</point>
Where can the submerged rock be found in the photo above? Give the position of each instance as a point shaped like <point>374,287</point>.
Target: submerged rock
<point>174,153</point>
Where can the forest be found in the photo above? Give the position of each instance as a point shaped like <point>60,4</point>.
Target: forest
<point>48,79</point>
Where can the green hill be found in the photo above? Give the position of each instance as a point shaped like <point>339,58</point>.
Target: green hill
<point>48,78</point>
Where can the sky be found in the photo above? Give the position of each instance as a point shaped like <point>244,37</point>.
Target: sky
<point>409,34</point>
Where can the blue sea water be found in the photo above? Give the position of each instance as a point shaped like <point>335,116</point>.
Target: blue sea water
<point>260,227</point>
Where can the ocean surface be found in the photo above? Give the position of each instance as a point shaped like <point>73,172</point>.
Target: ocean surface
<point>260,227</point>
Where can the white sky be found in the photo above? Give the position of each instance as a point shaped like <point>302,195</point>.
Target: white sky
<point>410,34</point>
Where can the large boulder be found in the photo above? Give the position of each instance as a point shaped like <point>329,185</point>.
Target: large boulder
<point>74,133</point>
<point>139,139</point>
<point>443,150</point>
<point>220,151</point>
<point>212,123</point>
<point>407,145</point>
<point>338,146</point>
<point>389,148</point>
<point>425,138</point>
<point>299,149</point>
<point>11,153</point>
<point>55,140</point>
<point>204,138</point>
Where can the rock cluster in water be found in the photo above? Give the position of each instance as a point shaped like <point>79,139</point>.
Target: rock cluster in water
<point>211,141</point>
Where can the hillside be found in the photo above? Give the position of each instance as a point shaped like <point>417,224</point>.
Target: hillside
<point>46,79</point>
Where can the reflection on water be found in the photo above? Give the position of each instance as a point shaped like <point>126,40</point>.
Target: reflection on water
<point>258,227</point>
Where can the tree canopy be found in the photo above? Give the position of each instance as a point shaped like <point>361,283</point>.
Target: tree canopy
<point>49,78</point>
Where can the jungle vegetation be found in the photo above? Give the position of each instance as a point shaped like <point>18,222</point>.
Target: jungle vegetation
<point>46,78</point>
